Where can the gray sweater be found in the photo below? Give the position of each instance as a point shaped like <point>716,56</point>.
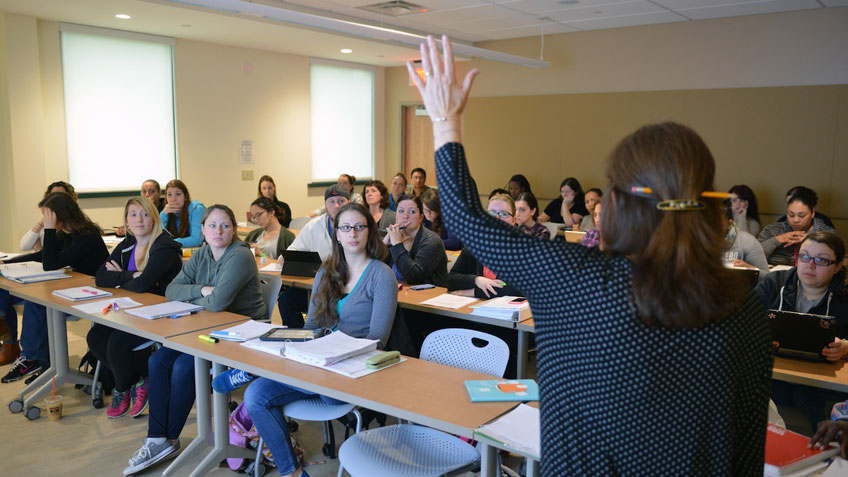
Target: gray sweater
<point>369,311</point>
<point>234,276</point>
<point>778,254</point>
<point>746,248</point>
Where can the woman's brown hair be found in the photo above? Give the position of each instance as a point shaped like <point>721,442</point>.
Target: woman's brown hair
<point>430,198</point>
<point>65,185</point>
<point>679,279</point>
<point>266,178</point>
<point>69,215</point>
<point>336,274</point>
<point>384,193</point>
<point>835,244</point>
<point>171,226</point>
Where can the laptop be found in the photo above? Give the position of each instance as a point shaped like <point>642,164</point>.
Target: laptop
<point>801,335</point>
<point>300,263</point>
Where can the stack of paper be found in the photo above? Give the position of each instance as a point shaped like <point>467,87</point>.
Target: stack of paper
<point>81,293</point>
<point>518,429</point>
<point>328,349</point>
<point>171,309</point>
<point>271,347</point>
<point>30,272</point>
<point>245,331</point>
<point>504,308</point>
<point>447,300</point>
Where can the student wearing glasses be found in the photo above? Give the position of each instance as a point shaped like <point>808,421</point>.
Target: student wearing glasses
<point>271,238</point>
<point>816,286</point>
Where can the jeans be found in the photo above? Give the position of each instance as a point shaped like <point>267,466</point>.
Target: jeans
<point>292,303</point>
<point>9,314</point>
<point>114,350</point>
<point>170,392</point>
<point>264,399</point>
<point>34,343</point>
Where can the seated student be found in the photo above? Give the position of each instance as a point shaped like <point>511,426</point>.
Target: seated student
<point>33,238</point>
<point>181,216</point>
<point>526,214</point>
<point>348,182</point>
<point>829,431</point>
<point>590,199</point>
<point>593,236</point>
<point>418,254</point>
<point>811,192</point>
<point>433,219</point>
<point>144,262</point>
<point>746,214</point>
<point>271,238</point>
<point>151,190</point>
<point>518,184</point>
<point>71,239</point>
<point>780,240</point>
<point>377,201</point>
<point>221,276</point>
<point>316,236</point>
<point>398,190</point>
<point>354,292</point>
<point>468,277</point>
<point>743,249</point>
<point>816,286</point>
<point>569,208</point>
<point>419,182</point>
<point>268,189</point>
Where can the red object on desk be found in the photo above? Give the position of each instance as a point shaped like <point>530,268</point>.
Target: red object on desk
<point>787,451</point>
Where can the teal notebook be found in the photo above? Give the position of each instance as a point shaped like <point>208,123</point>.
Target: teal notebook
<point>502,390</point>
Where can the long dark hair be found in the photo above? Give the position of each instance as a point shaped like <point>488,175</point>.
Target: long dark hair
<point>69,214</point>
<point>522,181</point>
<point>430,198</point>
<point>65,185</point>
<point>268,205</point>
<point>833,242</point>
<point>744,192</point>
<point>574,184</point>
<point>336,273</point>
<point>528,197</point>
<point>679,280</point>
<point>171,225</point>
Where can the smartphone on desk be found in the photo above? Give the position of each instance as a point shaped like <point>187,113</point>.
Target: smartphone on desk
<point>518,301</point>
<point>423,286</point>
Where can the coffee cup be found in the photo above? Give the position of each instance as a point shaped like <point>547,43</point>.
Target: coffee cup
<point>54,408</point>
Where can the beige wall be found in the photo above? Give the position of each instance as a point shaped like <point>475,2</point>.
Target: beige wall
<point>218,105</point>
<point>735,80</point>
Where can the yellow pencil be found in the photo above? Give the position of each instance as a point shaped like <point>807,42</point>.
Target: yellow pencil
<point>709,193</point>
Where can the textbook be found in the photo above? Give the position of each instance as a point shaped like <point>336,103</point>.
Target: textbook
<point>519,430</point>
<point>30,272</point>
<point>502,390</point>
<point>81,293</point>
<point>787,451</point>
<point>170,309</point>
<point>329,349</point>
<point>504,308</point>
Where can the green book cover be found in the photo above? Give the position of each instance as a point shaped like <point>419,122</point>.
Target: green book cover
<point>502,390</point>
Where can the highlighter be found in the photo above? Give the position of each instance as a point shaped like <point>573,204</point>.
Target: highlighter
<point>208,339</point>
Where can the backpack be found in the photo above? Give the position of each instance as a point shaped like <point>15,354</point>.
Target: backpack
<point>244,434</point>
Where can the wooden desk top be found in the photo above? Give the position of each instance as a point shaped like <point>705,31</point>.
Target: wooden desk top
<point>77,280</point>
<point>821,375</point>
<point>423,392</point>
<point>527,325</point>
<point>411,299</point>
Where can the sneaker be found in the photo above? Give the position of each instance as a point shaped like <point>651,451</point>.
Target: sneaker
<point>230,380</point>
<point>20,368</point>
<point>139,398</point>
<point>150,454</point>
<point>120,404</point>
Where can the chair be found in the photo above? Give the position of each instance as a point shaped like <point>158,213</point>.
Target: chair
<point>97,395</point>
<point>299,222</point>
<point>407,450</point>
<point>270,285</point>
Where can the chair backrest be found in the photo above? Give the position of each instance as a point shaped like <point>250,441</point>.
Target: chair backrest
<point>298,223</point>
<point>270,285</point>
<point>467,349</point>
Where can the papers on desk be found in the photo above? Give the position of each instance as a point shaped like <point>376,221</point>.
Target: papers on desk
<point>272,267</point>
<point>328,349</point>
<point>518,429</point>
<point>447,300</point>
<point>98,306</point>
<point>30,272</point>
<point>503,308</point>
<point>271,347</point>
<point>780,268</point>
<point>81,293</point>
<point>243,332</point>
<point>171,309</point>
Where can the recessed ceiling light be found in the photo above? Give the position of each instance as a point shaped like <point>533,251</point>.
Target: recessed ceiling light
<point>185,25</point>
<point>123,16</point>
<point>346,50</point>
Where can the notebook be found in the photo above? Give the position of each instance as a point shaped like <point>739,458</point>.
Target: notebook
<point>502,390</point>
<point>801,335</point>
<point>30,272</point>
<point>787,452</point>
<point>300,263</point>
<point>171,309</point>
<point>81,293</point>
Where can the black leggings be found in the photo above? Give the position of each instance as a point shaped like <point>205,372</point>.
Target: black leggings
<point>114,350</point>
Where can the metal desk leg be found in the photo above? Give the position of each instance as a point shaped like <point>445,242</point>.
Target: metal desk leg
<point>521,354</point>
<point>532,467</point>
<point>48,373</point>
<point>222,449</point>
<point>59,358</point>
<point>204,433</point>
<point>488,461</point>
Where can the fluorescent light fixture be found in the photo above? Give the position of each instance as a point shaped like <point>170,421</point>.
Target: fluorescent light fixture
<point>123,16</point>
<point>332,25</point>
<point>346,50</point>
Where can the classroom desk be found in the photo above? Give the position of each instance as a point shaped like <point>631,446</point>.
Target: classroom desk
<point>532,460</point>
<point>427,393</point>
<point>832,376</point>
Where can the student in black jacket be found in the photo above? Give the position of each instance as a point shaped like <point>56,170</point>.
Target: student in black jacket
<point>146,261</point>
<point>70,239</point>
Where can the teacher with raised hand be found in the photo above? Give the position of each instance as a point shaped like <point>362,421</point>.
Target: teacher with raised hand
<point>654,319</point>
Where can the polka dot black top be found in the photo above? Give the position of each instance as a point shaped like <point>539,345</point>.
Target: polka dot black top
<point>619,397</point>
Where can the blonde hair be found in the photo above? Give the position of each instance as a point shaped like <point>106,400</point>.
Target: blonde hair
<point>147,206</point>
<point>503,198</point>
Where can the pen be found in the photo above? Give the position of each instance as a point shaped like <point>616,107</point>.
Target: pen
<point>708,193</point>
<point>178,315</point>
<point>115,306</point>
<point>106,310</point>
<point>92,292</point>
<point>228,333</point>
<point>207,339</point>
<point>399,228</point>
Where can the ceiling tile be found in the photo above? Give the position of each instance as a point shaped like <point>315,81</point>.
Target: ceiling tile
<point>526,31</point>
<point>542,6</point>
<point>769,6</point>
<point>627,21</point>
<point>605,11</point>
<point>679,4</point>
<point>512,21</point>
<point>461,15</point>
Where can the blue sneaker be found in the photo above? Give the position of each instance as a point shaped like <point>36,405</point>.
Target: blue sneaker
<point>230,380</point>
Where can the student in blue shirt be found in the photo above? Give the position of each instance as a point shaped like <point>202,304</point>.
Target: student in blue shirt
<point>181,216</point>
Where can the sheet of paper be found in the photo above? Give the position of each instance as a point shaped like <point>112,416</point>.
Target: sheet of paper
<point>839,467</point>
<point>272,267</point>
<point>519,429</point>
<point>270,347</point>
<point>450,301</point>
<point>98,306</point>
<point>9,255</point>
<point>249,329</point>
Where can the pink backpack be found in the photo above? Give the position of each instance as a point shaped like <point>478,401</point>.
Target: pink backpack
<point>242,434</point>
